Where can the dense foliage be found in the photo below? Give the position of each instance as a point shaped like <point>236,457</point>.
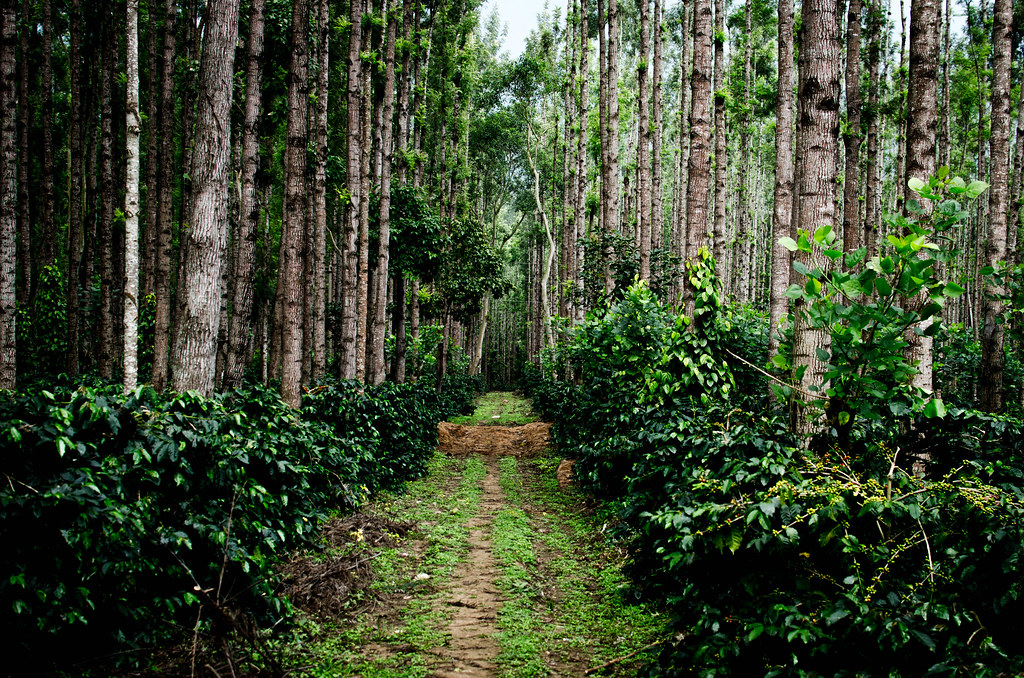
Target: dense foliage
<point>119,515</point>
<point>776,558</point>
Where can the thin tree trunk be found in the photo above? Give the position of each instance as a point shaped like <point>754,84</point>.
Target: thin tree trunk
<point>351,253</point>
<point>581,166</point>
<point>363,298</point>
<point>294,242</point>
<point>75,153</point>
<point>162,317</point>
<point>851,189</point>
<point>990,385</point>
<point>743,226</point>
<point>657,114</point>
<point>643,208</point>
<point>698,222</point>
<point>133,125</point>
<point>944,137</point>
<point>105,349</point>
<point>240,336</point>
<point>8,195</point>
<point>872,199</point>
<point>25,202</point>
<point>721,153</point>
<point>47,216</point>
<point>317,285</point>
<point>195,351</point>
<point>382,275</point>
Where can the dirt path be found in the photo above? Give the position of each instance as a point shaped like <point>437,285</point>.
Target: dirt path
<point>474,595</point>
<point>500,574</point>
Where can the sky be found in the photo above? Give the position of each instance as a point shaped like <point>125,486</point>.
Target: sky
<point>521,18</point>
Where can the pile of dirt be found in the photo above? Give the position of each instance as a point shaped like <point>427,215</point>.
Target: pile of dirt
<point>325,585</point>
<point>492,441</point>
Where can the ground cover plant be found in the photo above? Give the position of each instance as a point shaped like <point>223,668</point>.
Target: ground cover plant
<point>781,556</point>
<point>125,517</point>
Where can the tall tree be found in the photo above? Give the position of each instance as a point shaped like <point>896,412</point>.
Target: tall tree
<point>352,174</point>
<point>699,170</point>
<point>194,358</point>
<point>990,387</point>
<point>294,243</point>
<point>922,124</point>
<point>852,136</point>
<point>75,151</point>
<point>721,146</point>
<point>239,336</point>
<point>381,276</point>
<point>105,323</point>
<point>782,209</point>
<point>165,218</point>
<point>817,142</point>
<point>741,271</point>
<point>643,211</point>
<point>657,133</point>
<point>8,193</point>
<point>133,126</point>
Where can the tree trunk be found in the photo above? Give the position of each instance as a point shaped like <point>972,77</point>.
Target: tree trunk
<point>8,194</point>
<point>990,385</point>
<point>75,190</point>
<point>699,168</point>
<point>240,336</point>
<point>581,166</point>
<point>382,275</point>
<point>851,189</point>
<point>133,125</point>
<point>943,159</point>
<point>25,202</point>
<point>195,351</point>
<point>922,124</point>
<point>643,147</point>
<point>657,114</point>
<point>105,349</point>
<point>351,254</point>
<point>317,285</point>
<point>817,139</point>
<point>718,235</point>
<point>162,278</point>
<point>362,279</point>
<point>743,226</point>
<point>294,243</point>
<point>47,216</point>
<point>872,196</point>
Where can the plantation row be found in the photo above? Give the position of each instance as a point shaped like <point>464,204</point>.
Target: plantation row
<point>121,515</point>
<point>890,544</point>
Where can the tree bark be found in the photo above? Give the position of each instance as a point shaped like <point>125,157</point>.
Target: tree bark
<point>75,190</point>
<point>133,125</point>
<point>195,351</point>
<point>922,124</point>
<point>643,208</point>
<point>165,219</point>
<point>105,332</point>
<point>851,189</point>
<point>294,243</point>
<point>657,115</point>
<point>8,195</point>
<point>990,385</point>
<point>718,236</point>
<point>351,253</point>
<point>699,167</point>
<point>743,226</point>
<point>817,140</point>
<point>240,335</point>
<point>317,285</point>
<point>382,275</point>
<point>47,216</point>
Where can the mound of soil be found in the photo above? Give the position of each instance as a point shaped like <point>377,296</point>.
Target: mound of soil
<point>492,441</point>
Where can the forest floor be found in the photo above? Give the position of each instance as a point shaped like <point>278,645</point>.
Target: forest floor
<point>486,567</point>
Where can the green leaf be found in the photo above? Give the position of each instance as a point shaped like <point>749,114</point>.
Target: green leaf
<point>952,290</point>
<point>780,361</point>
<point>883,286</point>
<point>844,418</point>
<point>935,408</point>
<point>976,188</point>
<point>822,354</point>
<point>801,268</point>
<point>788,243</point>
<point>916,185</point>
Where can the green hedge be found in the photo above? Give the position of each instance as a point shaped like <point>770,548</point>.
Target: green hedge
<point>114,509</point>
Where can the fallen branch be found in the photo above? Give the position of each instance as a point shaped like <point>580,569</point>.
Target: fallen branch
<point>619,660</point>
<point>797,389</point>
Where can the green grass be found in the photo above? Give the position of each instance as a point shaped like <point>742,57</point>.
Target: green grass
<point>499,408</point>
<point>572,604</point>
<point>442,513</point>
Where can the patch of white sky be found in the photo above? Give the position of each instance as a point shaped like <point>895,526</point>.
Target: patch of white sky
<point>520,18</point>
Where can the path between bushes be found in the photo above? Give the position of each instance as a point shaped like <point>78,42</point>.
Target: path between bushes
<point>493,571</point>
